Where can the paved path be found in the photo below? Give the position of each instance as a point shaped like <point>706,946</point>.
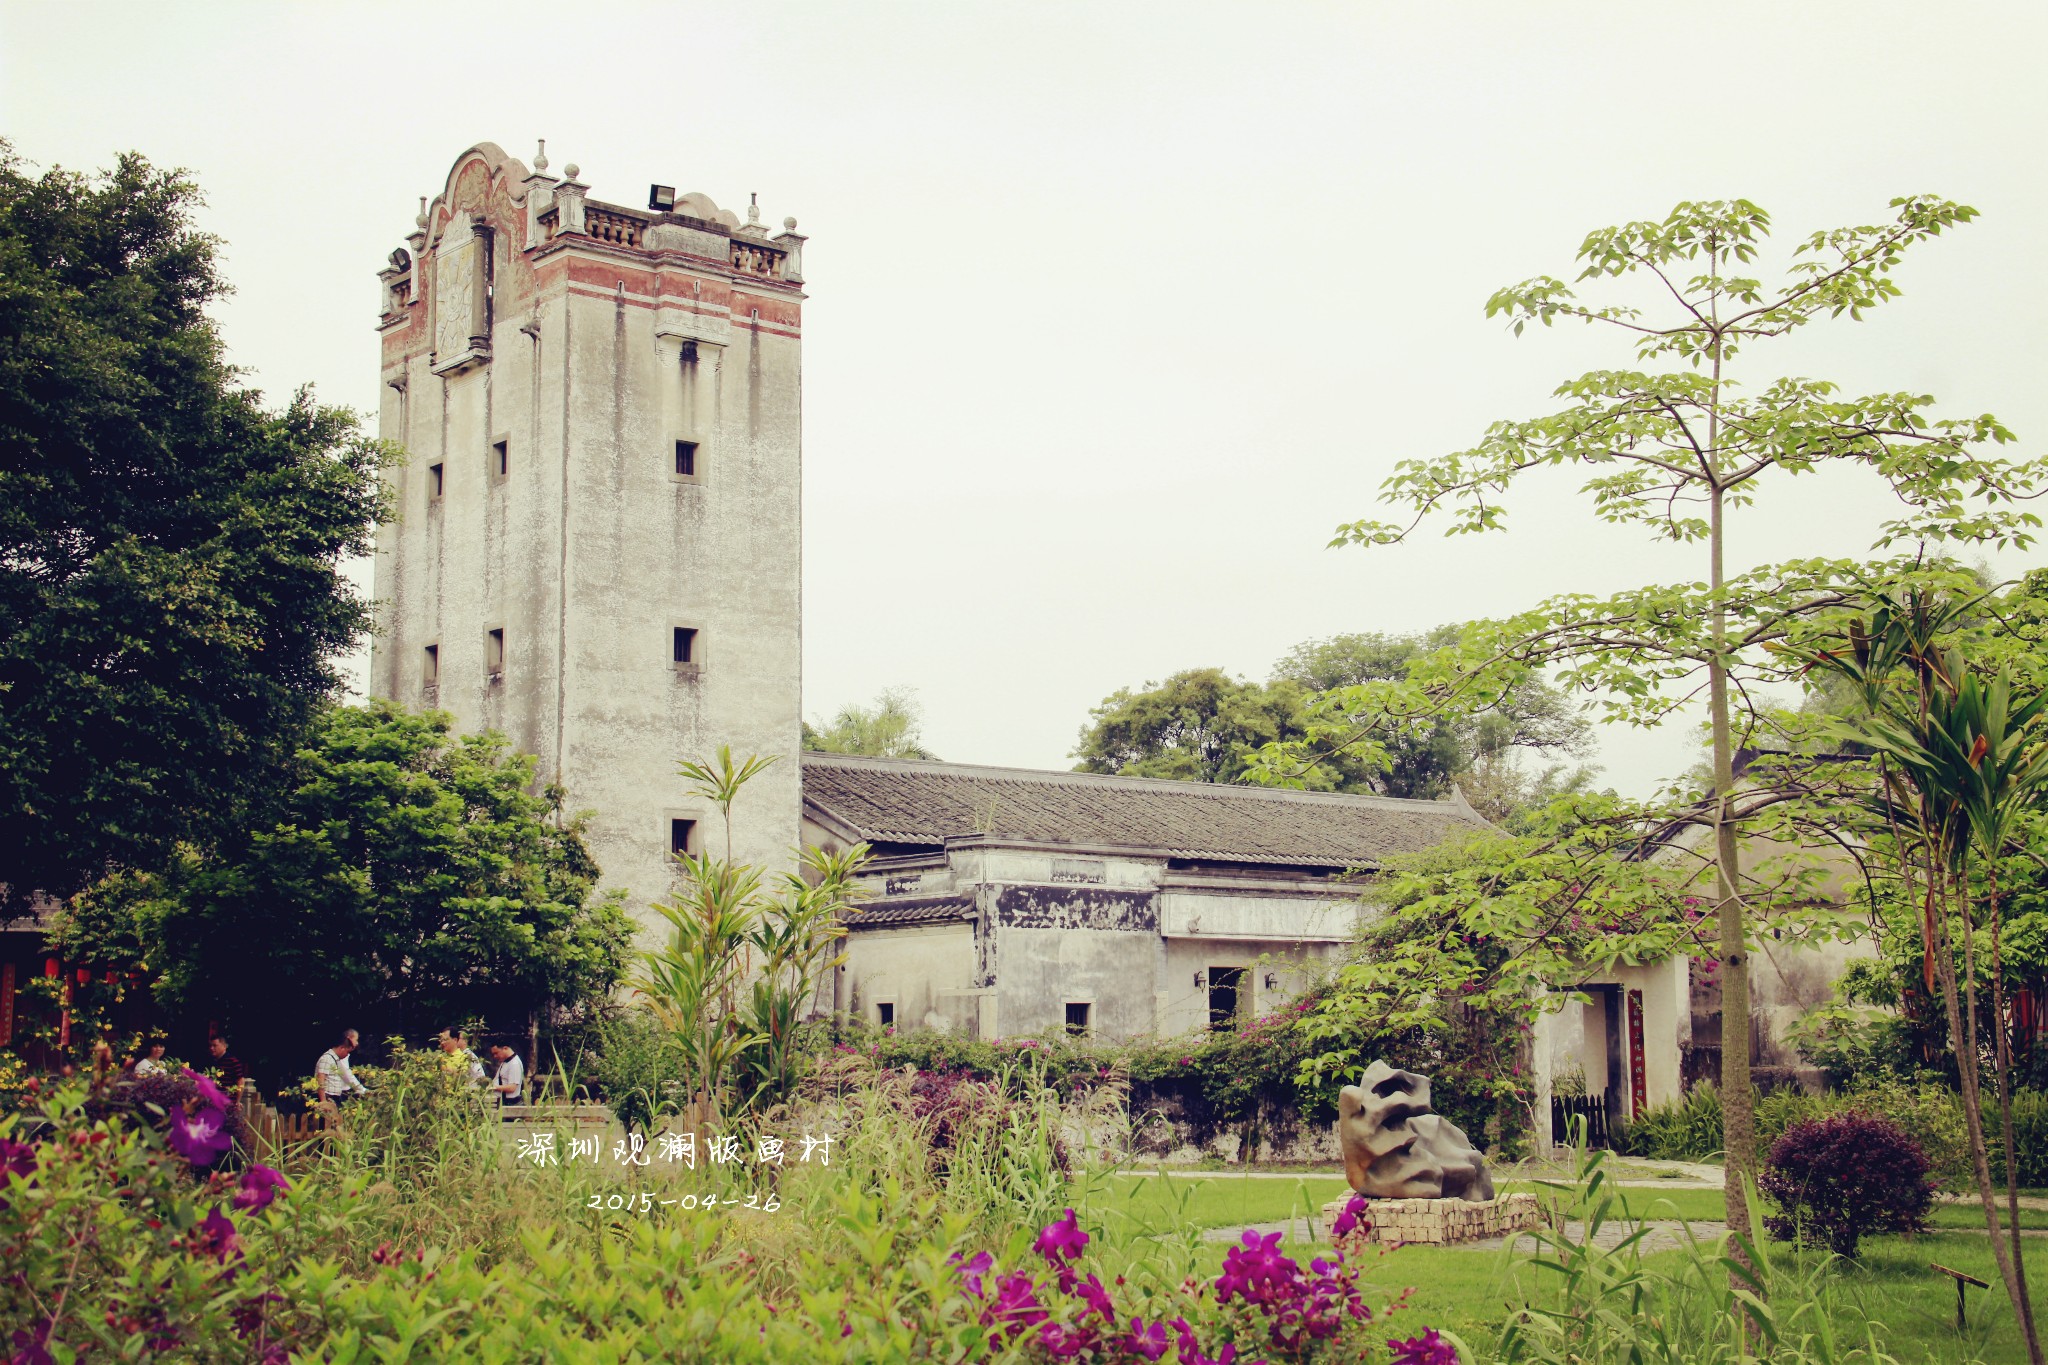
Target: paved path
<point>1662,1236</point>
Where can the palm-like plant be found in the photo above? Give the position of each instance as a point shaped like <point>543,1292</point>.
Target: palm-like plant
<point>1960,760</point>
<point>702,983</point>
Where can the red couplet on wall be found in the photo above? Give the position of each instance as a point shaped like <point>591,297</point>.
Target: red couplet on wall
<point>1638,1070</point>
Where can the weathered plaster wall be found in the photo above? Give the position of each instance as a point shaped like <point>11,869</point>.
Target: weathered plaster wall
<point>1122,934</point>
<point>920,970</point>
<point>588,552</point>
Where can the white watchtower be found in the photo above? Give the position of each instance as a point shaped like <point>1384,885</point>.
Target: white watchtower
<point>597,544</point>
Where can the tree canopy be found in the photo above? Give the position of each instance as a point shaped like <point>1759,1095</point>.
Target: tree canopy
<point>1676,445</point>
<point>409,880</point>
<point>169,599</point>
<point>888,729</point>
<point>1202,725</point>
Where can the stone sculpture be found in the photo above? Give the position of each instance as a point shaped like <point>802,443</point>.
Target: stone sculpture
<point>1396,1147</point>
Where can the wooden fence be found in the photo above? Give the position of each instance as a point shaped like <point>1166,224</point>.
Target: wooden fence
<point>1565,1109</point>
<point>274,1134</point>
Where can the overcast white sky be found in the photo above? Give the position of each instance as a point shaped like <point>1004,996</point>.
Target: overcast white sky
<point>1116,309</point>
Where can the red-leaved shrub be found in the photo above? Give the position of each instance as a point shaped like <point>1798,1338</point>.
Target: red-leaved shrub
<point>1836,1180</point>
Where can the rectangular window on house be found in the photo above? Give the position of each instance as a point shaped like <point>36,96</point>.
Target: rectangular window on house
<point>682,836</point>
<point>433,483</point>
<point>684,647</point>
<point>430,665</point>
<point>686,461</point>
<point>1226,998</point>
<point>501,459</point>
<point>1077,1018</point>
<point>494,654</point>
<point>885,1014</point>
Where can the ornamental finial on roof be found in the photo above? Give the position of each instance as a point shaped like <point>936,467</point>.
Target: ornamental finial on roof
<point>421,221</point>
<point>540,158</point>
<point>753,208</point>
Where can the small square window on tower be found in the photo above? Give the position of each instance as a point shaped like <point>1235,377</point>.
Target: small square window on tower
<point>885,1014</point>
<point>1078,1022</point>
<point>689,463</point>
<point>433,483</point>
<point>682,836</point>
<point>430,666</point>
<point>685,650</point>
<point>494,654</point>
<point>501,460</point>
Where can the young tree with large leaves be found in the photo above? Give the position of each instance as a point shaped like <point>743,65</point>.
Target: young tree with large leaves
<point>169,601</point>
<point>1679,447</point>
<point>409,880</point>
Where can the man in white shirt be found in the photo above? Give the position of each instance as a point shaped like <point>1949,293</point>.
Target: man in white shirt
<point>510,1081</point>
<point>458,1056</point>
<point>337,1083</point>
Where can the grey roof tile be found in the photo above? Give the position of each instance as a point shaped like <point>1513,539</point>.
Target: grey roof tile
<point>901,910</point>
<point>904,801</point>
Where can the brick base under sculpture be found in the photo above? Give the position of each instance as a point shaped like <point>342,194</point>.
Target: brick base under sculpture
<point>1435,1221</point>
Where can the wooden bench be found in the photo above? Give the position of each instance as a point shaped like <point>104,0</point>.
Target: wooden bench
<point>1961,1279</point>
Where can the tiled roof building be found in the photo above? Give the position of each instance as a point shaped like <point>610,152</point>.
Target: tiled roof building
<point>1017,902</point>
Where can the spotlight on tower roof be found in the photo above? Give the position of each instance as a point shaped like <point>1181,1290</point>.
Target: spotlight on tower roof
<point>661,198</point>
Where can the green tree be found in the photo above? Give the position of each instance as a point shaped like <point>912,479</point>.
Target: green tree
<point>1202,725</point>
<point>888,729</point>
<point>409,880</point>
<point>1679,450</point>
<point>1478,750</point>
<point>168,596</point>
<point>1961,759</point>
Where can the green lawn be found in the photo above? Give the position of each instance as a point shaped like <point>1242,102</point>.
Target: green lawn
<point>1470,1291</point>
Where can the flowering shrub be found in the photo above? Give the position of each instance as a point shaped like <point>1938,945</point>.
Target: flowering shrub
<point>123,1243</point>
<point>1838,1179</point>
<point>1263,1306</point>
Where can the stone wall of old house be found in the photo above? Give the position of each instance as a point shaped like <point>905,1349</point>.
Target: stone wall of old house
<point>537,376</point>
<point>1126,936</point>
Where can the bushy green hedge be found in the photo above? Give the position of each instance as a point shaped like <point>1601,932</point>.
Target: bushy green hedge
<point>1932,1114</point>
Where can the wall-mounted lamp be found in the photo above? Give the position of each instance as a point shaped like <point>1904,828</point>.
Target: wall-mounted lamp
<point>1198,980</point>
<point>1272,981</point>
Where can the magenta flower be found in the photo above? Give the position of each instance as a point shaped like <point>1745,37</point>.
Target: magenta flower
<point>1191,1350</point>
<point>1149,1342</point>
<point>200,1137</point>
<point>1353,1214</point>
<point>260,1185</point>
<point>1016,1305</point>
<point>971,1271</point>
<point>215,1236</point>
<point>209,1093</point>
<point>1063,1241</point>
<point>1427,1349</point>
<point>1091,1292</point>
<point>16,1158</point>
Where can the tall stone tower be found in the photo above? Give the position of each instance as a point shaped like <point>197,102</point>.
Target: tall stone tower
<point>597,548</point>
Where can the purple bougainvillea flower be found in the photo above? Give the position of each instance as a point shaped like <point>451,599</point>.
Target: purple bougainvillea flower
<point>1016,1305</point>
<point>32,1345</point>
<point>1427,1349</point>
<point>1351,1217</point>
<point>260,1185</point>
<point>1149,1342</point>
<point>1063,1241</point>
<point>200,1137</point>
<point>16,1158</point>
<point>1091,1292</point>
<point>216,1236</point>
<point>971,1271</point>
<point>1191,1350</point>
<point>209,1093</point>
